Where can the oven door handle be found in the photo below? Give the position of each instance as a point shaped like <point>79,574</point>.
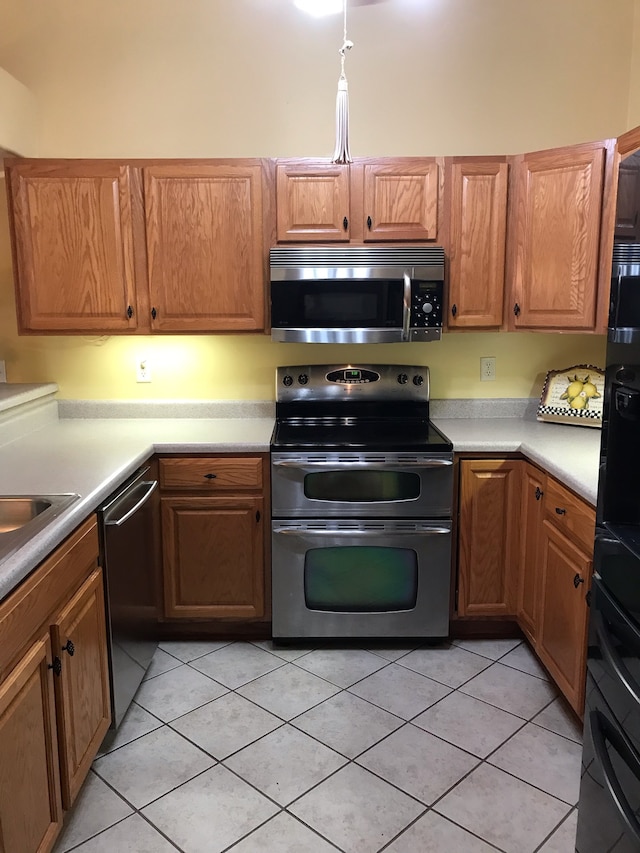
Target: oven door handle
<point>424,463</point>
<point>406,305</point>
<point>355,531</point>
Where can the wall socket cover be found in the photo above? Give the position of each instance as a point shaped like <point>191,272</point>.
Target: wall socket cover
<point>143,371</point>
<point>488,369</point>
<point>3,371</point>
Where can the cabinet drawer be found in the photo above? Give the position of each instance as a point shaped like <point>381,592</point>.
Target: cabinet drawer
<point>211,474</point>
<point>572,516</point>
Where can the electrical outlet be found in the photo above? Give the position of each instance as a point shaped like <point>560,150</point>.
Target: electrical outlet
<point>3,371</point>
<point>143,370</point>
<point>488,369</point>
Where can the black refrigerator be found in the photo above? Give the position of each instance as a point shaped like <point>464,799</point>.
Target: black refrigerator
<point>609,806</point>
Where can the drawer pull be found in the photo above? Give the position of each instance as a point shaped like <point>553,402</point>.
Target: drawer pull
<point>538,493</point>
<point>577,580</point>
<point>560,511</point>
<point>70,648</point>
<point>210,476</point>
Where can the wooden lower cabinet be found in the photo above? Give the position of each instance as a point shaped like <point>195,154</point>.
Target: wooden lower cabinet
<point>82,689</point>
<point>562,625</point>
<point>488,539</point>
<point>531,512</point>
<point>54,691</point>
<point>30,805</point>
<point>213,556</point>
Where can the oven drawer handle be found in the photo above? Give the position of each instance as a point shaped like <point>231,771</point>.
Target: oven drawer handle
<point>118,522</point>
<point>425,463</point>
<point>601,731</point>
<point>354,531</point>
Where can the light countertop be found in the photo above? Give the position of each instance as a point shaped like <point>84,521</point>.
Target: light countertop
<point>92,457</point>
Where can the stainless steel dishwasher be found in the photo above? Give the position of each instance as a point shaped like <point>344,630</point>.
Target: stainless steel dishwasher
<point>130,539</point>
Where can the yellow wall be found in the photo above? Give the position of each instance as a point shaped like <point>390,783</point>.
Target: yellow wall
<point>18,117</point>
<point>257,77</point>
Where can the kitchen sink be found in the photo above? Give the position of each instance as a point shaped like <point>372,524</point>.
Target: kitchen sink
<point>22,516</point>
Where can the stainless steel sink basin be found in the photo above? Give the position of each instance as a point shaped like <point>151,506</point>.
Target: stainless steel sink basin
<point>22,516</point>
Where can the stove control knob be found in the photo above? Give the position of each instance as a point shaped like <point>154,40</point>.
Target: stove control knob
<point>418,379</point>
<point>287,381</point>
<point>303,379</point>
<point>403,378</point>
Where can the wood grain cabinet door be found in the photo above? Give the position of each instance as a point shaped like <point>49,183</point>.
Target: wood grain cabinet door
<point>205,247</point>
<point>312,202</point>
<point>400,200</point>
<point>555,237</point>
<point>73,246</point>
<point>488,536</point>
<point>30,807</point>
<point>530,574</point>
<point>477,229</point>
<point>79,639</point>
<point>562,631</point>
<point>213,556</point>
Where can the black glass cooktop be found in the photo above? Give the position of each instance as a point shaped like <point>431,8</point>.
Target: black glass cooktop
<point>389,434</point>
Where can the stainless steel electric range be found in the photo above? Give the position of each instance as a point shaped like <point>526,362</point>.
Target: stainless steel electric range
<point>362,491</point>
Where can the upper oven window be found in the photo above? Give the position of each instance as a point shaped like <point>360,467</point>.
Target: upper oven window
<point>361,486</point>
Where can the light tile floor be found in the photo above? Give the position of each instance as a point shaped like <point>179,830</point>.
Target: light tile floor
<point>247,748</point>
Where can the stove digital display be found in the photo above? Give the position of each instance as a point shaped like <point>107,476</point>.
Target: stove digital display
<point>352,376</point>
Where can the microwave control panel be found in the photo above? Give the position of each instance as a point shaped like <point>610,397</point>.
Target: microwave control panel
<point>426,306</point>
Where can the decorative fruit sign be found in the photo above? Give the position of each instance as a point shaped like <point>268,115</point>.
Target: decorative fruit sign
<point>573,396</point>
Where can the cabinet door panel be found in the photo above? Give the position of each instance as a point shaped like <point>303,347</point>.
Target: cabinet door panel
<point>213,556</point>
<point>30,807</point>
<point>312,201</point>
<point>530,576</point>
<point>73,246</point>
<point>488,525</point>
<point>562,631</point>
<point>556,237</point>
<point>401,201</point>
<point>477,243</point>
<point>82,689</point>
<point>205,247</point>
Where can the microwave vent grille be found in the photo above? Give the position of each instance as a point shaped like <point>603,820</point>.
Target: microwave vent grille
<point>626,253</point>
<point>355,256</point>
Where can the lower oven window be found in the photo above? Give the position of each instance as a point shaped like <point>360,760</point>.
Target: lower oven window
<point>360,579</point>
<point>362,486</point>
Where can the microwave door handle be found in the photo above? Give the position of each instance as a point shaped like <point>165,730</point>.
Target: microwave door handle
<point>406,305</point>
<point>358,532</point>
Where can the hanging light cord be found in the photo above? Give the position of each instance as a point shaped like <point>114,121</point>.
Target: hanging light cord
<point>346,44</point>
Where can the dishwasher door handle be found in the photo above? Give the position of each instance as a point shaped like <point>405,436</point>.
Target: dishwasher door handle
<point>118,522</point>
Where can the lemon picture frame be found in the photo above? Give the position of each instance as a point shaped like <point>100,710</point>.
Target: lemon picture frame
<point>573,395</point>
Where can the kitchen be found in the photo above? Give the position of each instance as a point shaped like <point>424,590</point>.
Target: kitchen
<point>129,69</point>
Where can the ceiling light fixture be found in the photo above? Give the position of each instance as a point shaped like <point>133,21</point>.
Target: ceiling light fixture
<point>320,8</point>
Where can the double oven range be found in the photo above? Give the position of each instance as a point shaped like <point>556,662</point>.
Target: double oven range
<point>362,491</point>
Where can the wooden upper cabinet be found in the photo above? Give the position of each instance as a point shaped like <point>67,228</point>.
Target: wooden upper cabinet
<point>73,245</point>
<point>400,200</point>
<point>477,203</point>
<point>205,247</point>
<point>555,237</point>
<point>392,199</point>
<point>312,202</point>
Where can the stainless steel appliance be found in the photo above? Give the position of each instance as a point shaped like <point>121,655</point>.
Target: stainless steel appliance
<point>362,489</point>
<point>129,538</point>
<point>624,306</point>
<point>356,294</point>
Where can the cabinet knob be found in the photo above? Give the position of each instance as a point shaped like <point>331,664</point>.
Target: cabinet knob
<point>70,648</point>
<point>154,313</point>
<point>210,476</point>
<point>56,666</point>
<point>345,223</point>
<point>129,312</point>
<point>454,309</point>
<point>369,222</point>
<point>258,516</point>
<point>577,580</point>
<point>538,493</point>
<point>560,510</point>
<point>516,310</point>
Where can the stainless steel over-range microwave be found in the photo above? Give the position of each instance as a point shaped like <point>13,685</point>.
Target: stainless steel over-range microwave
<point>358,294</point>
